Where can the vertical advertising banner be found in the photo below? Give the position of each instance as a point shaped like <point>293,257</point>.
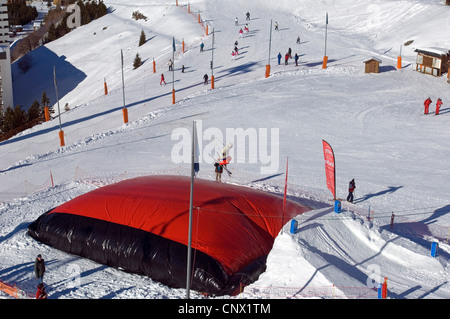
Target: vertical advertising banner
<point>330,168</point>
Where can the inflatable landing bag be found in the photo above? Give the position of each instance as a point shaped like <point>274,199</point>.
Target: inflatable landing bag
<point>141,226</point>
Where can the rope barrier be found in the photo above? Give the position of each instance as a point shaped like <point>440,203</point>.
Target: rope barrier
<point>325,292</point>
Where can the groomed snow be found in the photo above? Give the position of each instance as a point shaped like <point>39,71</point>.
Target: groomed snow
<point>374,122</point>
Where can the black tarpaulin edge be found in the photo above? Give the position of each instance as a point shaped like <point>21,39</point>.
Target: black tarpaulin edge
<point>137,251</point>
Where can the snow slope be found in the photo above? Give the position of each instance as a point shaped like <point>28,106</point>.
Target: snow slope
<point>374,122</point>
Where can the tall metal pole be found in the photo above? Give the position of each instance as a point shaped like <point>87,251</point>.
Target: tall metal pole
<point>270,41</point>
<point>124,109</point>
<point>189,266</point>
<point>57,98</point>
<point>61,133</point>
<point>325,57</point>
<point>212,60</point>
<point>326,34</point>
<point>270,45</point>
<point>123,80</point>
<point>173,70</point>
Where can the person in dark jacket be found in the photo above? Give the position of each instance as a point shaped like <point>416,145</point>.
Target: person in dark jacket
<point>351,189</point>
<point>39,268</point>
<point>219,170</point>
<point>41,293</point>
<point>205,79</point>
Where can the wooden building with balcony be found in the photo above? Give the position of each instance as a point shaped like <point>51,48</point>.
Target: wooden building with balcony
<point>432,61</point>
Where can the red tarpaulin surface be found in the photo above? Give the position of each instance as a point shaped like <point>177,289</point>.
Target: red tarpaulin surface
<point>232,224</point>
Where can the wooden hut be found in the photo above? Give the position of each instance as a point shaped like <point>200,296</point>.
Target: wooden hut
<point>432,61</point>
<point>372,65</point>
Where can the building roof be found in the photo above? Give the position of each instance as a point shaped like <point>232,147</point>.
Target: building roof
<point>375,59</point>
<point>433,51</point>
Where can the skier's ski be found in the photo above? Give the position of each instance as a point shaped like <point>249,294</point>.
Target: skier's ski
<point>226,169</point>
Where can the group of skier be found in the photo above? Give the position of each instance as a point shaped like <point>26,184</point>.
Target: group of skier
<point>288,56</point>
<point>235,51</point>
<point>427,103</point>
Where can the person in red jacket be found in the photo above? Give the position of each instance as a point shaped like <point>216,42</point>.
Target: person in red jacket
<point>41,293</point>
<point>438,105</point>
<point>162,80</point>
<point>427,105</point>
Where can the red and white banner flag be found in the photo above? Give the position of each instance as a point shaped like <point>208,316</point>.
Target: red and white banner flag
<point>330,168</point>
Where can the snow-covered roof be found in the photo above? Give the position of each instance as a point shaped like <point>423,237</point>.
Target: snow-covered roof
<point>439,52</point>
<point>365,61</point>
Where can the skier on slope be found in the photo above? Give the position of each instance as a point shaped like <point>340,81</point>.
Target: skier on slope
<point>427,105</point>
<point>41,293</point>
<point>279,58</point>
<point>202,45</point>
<point>296,59</point>
<point>205,79</point>
<point>438,105</point>
<point>39,268</point>
<point>170,64</point>
<point>276,26</point>
<point>248,16</point>
<point>162,80</point>
<point>351,189</point>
